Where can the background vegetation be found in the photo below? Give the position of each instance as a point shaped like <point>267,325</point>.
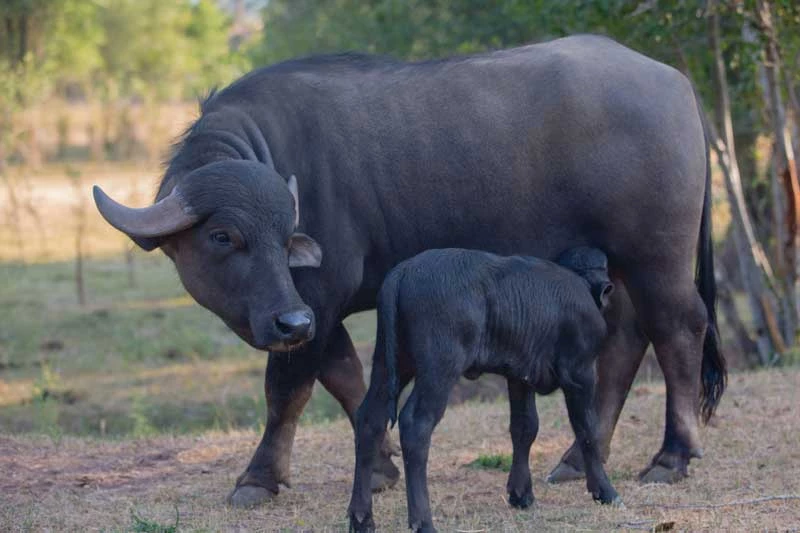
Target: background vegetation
<point>96,338</point>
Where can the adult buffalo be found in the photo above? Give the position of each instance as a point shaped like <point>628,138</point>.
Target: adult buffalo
<point>533,150</point>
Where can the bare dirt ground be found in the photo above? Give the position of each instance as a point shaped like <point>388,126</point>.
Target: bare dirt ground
<point>749,479</point>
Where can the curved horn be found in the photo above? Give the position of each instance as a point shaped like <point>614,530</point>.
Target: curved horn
<point>167,216</point>
<point>293,189</point>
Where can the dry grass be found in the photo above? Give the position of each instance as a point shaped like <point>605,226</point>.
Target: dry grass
<point>752,452</point>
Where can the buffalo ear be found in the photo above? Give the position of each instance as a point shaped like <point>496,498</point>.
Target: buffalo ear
<point>304,251</point>
<point>602,294</point>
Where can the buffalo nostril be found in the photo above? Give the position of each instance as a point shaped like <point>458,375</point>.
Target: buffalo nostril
<point>295,325</point>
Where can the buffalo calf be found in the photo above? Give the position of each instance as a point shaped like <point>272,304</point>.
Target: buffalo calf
<point>448,313</point>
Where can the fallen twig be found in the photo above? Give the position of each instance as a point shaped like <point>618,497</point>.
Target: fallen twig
<point>781,497</point>
<point>648,525</point>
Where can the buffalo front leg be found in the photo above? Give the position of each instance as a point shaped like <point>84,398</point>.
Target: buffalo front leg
<point>523,427</point>
<point>343,376</point>
<point>617,365</point>
<point>288,385</point>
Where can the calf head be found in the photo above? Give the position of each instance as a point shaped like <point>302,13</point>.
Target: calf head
<point>592,265</point>
<point>230,228</point>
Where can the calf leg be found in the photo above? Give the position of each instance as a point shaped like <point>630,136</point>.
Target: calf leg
<point>617,364</point>
<point>524,427</point>
<point>343,377</point>
<point>579,396</point>
<point>370,427</point>
<point>423,410</point>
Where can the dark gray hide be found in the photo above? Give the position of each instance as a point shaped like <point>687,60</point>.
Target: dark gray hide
<point>448,313</point>
<point>533,150</point>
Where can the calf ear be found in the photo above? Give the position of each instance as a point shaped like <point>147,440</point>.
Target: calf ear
<point>304,251</point>
<point>602,294</point>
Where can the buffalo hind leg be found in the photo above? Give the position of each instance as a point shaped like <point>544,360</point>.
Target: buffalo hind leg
<point>579,395</point>
<point>675,319</point>
<point>617,364</point>
<point>288,386</point>
<point>523,427</point>
<point>420,415</point>
<point>343,376</point>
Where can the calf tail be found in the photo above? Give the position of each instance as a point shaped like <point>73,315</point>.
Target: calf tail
<point>713,370</point>
<point>386,341</point>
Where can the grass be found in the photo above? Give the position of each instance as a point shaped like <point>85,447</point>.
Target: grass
<point>141,400</point>
<point>751,457</point>
<point>135,360</point>
<point>501,462</point>
<point>143,525</point>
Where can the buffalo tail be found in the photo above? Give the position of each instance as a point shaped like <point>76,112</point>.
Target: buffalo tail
<point>713,371</point>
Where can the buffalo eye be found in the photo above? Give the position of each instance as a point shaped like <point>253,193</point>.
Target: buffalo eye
<point>221,237</point>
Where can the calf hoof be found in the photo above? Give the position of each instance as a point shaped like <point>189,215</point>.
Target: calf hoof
<point>565,472</point>
<point>520,501</point>
<point>384,476</point>
<point>608,497</point>
<point>246,496</point>
<point>422,528</point>
<point>365,524</point>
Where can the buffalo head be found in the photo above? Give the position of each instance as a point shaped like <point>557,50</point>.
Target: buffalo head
<point>230,228</point>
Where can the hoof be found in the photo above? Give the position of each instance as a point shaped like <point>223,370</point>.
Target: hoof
<point>386,477</point>
<point>422,528</point>
<point>520,502</point>
<point>365,525</point>
<point>609,498</point>
<point>661,474</point>
<point>564,472</point>
<point>247,496</point>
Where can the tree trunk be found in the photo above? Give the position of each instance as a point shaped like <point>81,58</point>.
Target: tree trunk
<point>745,346</point>
<point>752,259</point>
<point>783,162</point>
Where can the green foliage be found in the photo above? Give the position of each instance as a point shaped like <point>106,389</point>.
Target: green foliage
<point>500,462</point>
<point>673,31</point>
<point>131,48</point>
<point>144,525</point>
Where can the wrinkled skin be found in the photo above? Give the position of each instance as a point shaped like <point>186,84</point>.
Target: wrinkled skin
<point>531,151</point>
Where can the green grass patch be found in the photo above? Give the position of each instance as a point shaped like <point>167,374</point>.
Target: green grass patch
<point>500,462</point>
<point>144,525</point>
